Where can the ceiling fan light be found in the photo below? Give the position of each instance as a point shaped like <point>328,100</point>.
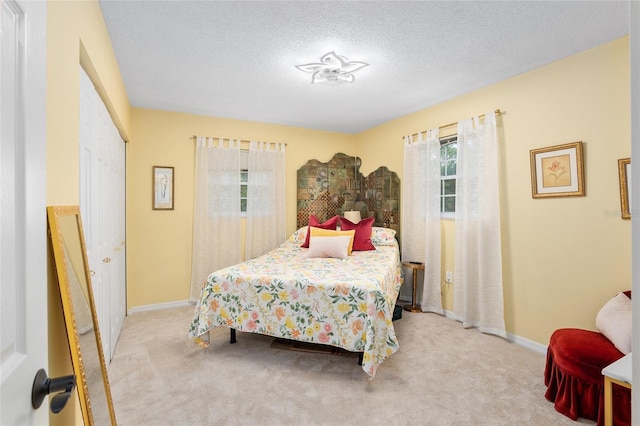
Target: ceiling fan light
<point>332,69</point>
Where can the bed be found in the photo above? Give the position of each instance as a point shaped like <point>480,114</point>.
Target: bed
<point>343,302</point>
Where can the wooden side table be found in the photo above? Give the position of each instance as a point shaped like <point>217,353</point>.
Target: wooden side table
<point>415,267</point>
<point>619,373</point>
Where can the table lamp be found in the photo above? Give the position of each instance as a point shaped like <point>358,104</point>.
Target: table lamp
<point>352,216</point>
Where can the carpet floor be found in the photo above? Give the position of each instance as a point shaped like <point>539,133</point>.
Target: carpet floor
<point>442,375</point>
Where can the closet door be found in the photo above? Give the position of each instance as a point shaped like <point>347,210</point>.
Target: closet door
<point>114,216</point>
<point>102,195</point>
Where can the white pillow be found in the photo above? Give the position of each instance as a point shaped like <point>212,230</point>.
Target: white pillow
<point>614,321</point>
<point>337,247</point>
<point>383,236</point>
<point>299,236</point>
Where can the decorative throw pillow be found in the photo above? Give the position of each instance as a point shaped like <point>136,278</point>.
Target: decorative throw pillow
<point>383,236</point>
<point>299,236</point>
<point>336,247</point>
<point>614,322</point>
<point>319,232</point>
<point>313,221</point>
<point>362,239</point>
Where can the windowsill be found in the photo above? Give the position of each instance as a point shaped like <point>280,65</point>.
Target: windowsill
<point>447,216</point>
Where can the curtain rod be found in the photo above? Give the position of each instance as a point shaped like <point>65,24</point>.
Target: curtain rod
<point>241,140</point>
<point>498,112</point>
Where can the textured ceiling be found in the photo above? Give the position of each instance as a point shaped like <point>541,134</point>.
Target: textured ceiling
<point>236,59</point>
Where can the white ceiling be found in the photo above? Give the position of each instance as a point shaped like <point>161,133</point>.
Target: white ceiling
<point>235,59</point>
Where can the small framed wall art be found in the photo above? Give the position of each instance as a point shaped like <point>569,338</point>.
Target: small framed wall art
<point>624,173</point>
<point>162,188</point>
<point>557,171</point>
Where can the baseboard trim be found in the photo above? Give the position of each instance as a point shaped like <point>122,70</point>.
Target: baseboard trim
<point>529,344</point>
<point>159,306</point>
<point>513,338</point>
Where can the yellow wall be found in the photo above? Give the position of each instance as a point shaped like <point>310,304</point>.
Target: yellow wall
<point>159,242</point>
<point>564,257</point>
<point>75,31</point>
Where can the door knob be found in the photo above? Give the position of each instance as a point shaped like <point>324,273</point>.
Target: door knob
<point>106,260</point>
<point>43,386</point>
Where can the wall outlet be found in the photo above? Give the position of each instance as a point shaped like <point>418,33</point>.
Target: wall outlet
<point>448,277</point>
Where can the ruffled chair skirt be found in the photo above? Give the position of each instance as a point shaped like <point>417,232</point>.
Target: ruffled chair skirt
<point>573,376</point>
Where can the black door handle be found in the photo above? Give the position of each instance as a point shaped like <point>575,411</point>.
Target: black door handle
<point>43,386</point>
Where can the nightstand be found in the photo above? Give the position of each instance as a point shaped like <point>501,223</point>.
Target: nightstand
<point>415,267</point>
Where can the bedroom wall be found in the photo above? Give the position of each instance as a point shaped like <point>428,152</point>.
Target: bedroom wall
<point>159,242</point>
<point>75,32</point>
<point>565,257</point>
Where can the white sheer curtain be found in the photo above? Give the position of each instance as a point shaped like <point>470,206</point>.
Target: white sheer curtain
<point>216,216</point>
<point>265,217</point>
<point>421,214</point>
<point>478,295</point>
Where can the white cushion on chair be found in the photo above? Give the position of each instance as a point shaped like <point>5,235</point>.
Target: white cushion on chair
<point>614,322</point>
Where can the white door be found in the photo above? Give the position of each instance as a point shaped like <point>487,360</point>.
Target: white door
<point>23,220</point>
<point>102,205</point>
<point>116,234</point>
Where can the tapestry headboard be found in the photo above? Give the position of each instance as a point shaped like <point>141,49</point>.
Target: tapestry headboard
<point>329,189</point>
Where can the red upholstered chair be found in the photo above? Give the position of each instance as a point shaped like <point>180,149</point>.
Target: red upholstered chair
<point>573,375</point>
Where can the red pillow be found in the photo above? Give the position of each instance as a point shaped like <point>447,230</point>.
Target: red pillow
<point>362,239</point>
<point>313,221</point>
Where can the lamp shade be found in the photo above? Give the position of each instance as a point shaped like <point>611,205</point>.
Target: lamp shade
<point>352,216</point>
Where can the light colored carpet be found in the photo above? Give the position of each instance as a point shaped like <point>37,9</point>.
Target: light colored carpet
<point>442,375</point>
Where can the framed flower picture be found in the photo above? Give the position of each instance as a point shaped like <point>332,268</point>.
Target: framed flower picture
<point>557,171</point>
<point>624,174</point>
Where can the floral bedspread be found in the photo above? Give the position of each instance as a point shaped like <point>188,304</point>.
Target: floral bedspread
<point>346,303</point>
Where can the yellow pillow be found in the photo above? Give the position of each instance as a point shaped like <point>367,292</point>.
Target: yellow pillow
<point>319,232</point>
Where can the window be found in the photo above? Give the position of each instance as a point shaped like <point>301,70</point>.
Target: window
<point>244,179</point>
<point>448,165</point>
<point>259,181</point>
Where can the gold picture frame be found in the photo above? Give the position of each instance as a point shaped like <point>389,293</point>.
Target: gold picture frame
<point>624,174</point>
<point>557,171</point>
<point>80,316</point>
<point>163,194</point>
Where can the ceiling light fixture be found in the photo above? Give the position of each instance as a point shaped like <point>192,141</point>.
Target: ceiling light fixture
<point>332,69</point>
